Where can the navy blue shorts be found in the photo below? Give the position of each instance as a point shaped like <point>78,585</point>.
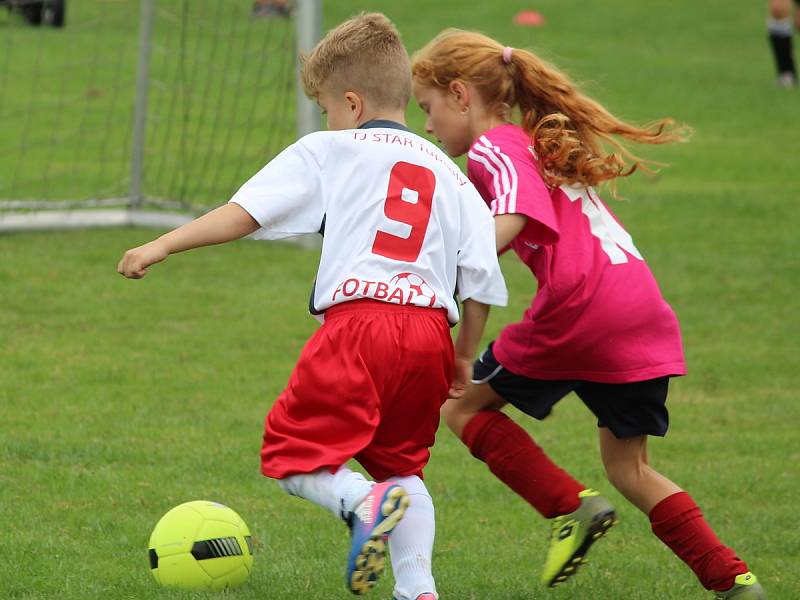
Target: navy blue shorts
<point>627,409</point>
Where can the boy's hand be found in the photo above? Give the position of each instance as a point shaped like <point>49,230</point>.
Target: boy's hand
<point>223,224</point>
<point>461,378</point>
<point>135,262</point>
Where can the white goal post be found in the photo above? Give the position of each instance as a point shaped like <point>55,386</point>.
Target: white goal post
<point>145,112</point>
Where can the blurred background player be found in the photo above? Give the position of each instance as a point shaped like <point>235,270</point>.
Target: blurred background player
<point>272,8</point>
<point>597,325</point>
<point>781,23</point>
<point>402,231</point>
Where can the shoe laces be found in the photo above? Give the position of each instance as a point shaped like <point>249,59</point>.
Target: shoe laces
<point>346,515</point>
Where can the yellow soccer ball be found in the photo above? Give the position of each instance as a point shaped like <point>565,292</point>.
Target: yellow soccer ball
<point>201,545</point>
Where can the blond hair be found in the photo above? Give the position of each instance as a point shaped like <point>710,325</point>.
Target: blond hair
<point>569,130</point>
<point>365,55</point>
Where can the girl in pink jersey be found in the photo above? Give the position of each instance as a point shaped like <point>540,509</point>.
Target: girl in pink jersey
<point>597,325</point>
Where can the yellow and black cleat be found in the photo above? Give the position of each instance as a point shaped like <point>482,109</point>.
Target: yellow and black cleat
<point>573,534</point>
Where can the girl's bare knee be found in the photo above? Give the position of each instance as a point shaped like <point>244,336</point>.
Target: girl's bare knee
<point>625,475</point>
<point>616,476</point>
<point>454,415</point>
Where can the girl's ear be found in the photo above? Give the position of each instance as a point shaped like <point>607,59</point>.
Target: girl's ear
<point>460,94</point>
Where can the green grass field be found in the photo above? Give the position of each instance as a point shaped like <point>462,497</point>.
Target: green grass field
<point>121,399</point>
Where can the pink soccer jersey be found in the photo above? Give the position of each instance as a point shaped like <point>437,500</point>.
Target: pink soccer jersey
<point>598,314</point>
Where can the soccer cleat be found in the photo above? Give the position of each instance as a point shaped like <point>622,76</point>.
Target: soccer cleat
<point>425,596</point>
<point>573,534</point>
<point>370,525</point>
<point>745,587</point>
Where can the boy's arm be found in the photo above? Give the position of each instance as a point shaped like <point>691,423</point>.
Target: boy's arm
<point>473,321</point>
<point>223,224</point>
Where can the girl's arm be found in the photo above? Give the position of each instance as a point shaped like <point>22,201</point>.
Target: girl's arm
<point>507,227</point>
<point>473,321</point>
<point>223,224</point>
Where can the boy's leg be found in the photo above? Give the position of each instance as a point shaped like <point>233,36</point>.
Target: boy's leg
<point>371,524</point>
<point>415,365</point>
<point>370,510</point>
<point>345,400</point>
<point>411,543</point>
<point>339,492</point>
<point>674,516</point>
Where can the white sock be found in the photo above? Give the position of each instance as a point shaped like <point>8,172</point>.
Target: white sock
<point>411,542</point>
<point>351,488</point>
<point>342,490</point>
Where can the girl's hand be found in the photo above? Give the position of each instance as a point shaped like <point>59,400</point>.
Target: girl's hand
<point>135,262</point>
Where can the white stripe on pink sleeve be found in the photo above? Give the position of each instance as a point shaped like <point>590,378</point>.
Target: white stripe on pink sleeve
<point>495,177</point>
<point>502,182</point>
<point>510,169</point>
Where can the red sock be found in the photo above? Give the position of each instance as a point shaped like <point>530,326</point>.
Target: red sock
<point>678,522</point>
<point>515,459</point>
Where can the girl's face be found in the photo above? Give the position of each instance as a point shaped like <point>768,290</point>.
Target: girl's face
<point>446,118</point>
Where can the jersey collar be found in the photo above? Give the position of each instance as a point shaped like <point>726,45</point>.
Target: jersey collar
<point>383,124</point>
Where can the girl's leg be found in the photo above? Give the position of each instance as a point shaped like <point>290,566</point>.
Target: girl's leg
<point>628,469</point>
<point>509,452</point>
<point>458,412</point>
<point>674,516</point>
<point>411,543</point>
<point>579,516</point>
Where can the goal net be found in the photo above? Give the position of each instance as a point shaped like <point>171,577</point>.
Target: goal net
<point>138,111</point>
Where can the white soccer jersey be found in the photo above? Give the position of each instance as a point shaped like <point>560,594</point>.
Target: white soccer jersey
<point>400,222</point>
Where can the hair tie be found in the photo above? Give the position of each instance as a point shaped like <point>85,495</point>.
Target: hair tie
<point>507,54</point>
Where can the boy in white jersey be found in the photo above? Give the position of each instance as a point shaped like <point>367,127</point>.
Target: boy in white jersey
<point>403,230</point>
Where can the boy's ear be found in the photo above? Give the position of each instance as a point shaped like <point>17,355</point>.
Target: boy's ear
<point>460,93</point>
<point>355,104</point>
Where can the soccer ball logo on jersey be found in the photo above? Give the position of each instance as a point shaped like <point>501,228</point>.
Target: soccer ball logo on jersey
<point>403,288</point>
<point>418,291</point>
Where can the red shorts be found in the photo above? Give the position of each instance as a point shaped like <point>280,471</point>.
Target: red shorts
<point>368,385</point>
